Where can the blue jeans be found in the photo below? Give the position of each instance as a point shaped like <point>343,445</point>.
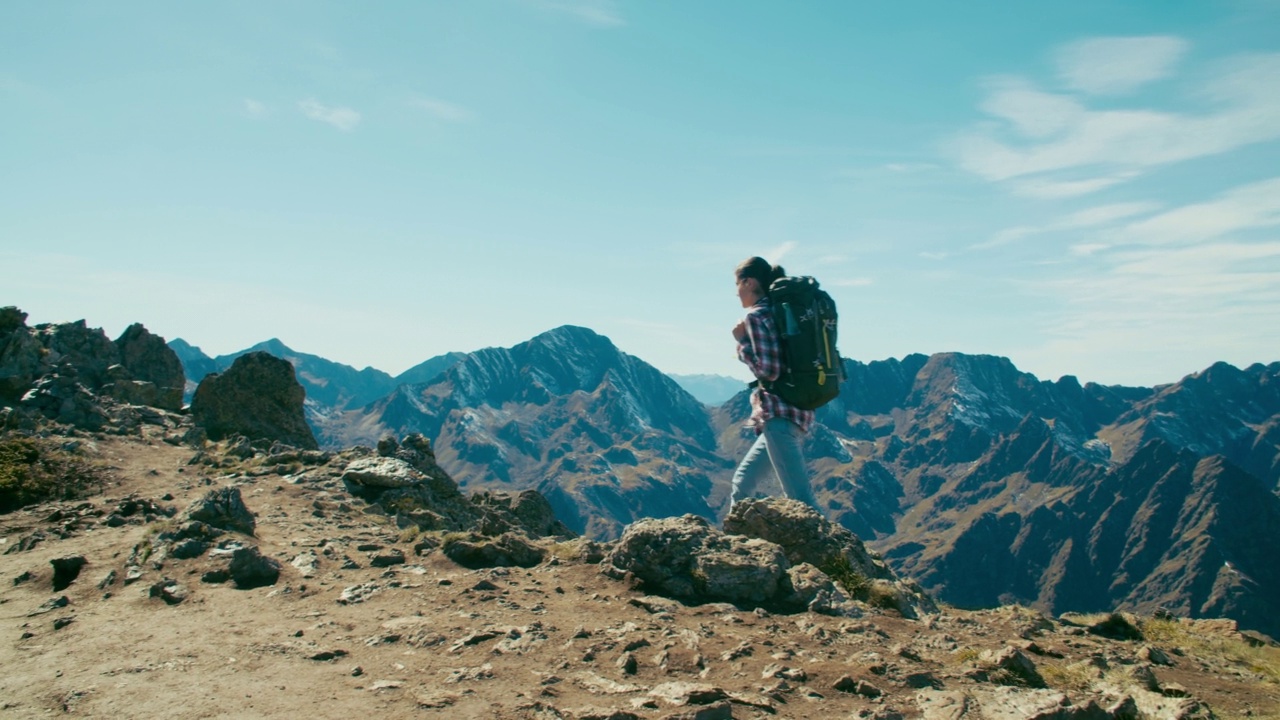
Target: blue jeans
<point>779,451</point>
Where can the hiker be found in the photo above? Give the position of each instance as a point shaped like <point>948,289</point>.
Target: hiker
<point>780,426</point>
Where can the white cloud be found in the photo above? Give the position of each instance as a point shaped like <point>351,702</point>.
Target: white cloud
<point>1032,112</point>
<point>1087,249</point>
<point>253,108</point>
<point>1051,146</point>
<point>1048,189</point>
<point>1249,206</point>
<point>910,167</point>
<point>1106,214</point>
<point>1087,218</point>
<point>1117,65</point>
<point>343,118</point>
<point>441,109</point>
<point>601,13</point>
<point>777,254</point>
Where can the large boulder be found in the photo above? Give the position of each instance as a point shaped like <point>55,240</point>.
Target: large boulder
<point>152,366</point>
<point>527,510</point>
<point>804,535</point>
<point>685,558</point>
<point>807,537</point>
<point>224,509</point>
<point>77,345</point>
<point>258,397</point>
<point>19,354</point>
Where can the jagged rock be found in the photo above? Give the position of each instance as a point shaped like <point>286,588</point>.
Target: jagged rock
<point>169,591</point>
<point>807,537</point>
<point>815,591</point>
<point>1007,703</point>
<point>381,472</point>
<point>150,361</point>
<point>942,705</point>
<point>687,559</point>
<point>60,396</point>
<point>19,354</point>
<point>1016,666</point>
<point>51,605</point>
<point>506,550</point>
<point>66,570</point>
<point>258,397</point>
<point>527,510</point>
<point>250,569</point>
<point>223,508</point>
<point>387,559</point>
<point>1115,626</point>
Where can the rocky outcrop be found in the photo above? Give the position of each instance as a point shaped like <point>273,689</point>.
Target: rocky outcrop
<point>806,564</point>
<point>489,529</point>
<point>257,397</point>
<point>807,537</point>
<point>73,374</point>
<point>153,374</point>
<point>224,509</point>
<point>688,559</point>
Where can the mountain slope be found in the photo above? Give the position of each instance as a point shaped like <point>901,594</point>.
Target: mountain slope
<point>606,437</point>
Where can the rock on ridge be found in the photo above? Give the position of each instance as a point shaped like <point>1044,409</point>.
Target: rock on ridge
<point>804,563</point>
<point>258,397</point>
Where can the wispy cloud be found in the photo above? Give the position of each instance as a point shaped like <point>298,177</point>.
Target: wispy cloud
<point>343,118</point>
<point>1053,145</point>
<point>441,109</point>
<point>1256,205</point>
<point>253,108</point>
<point>1101,215</point>
<point>1193,284</point>
<point>601,13</point>
<point>777,254</point>
<point>1117,65</point>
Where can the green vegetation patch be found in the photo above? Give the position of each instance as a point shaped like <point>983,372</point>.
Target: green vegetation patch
<point>34,471</point>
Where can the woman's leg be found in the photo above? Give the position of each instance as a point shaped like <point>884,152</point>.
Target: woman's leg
<point>785,442</point>
<point>753,469</point>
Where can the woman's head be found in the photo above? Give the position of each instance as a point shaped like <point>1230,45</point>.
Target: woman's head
<point>754,276</point>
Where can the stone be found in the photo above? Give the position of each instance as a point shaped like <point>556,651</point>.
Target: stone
<point>1016,665</point>
<point>51,605</point>
<point>527,510</point>
<point>685,558</point>
<point>1154,655</point>
<point>807,537</point>
<point>149,360</point>
<point>258,397</point>
<point>506,550</point>
<point>250,569</point>
<point>387,559</point>
<point>66,570</point>
<point>169,591</point>
<point>381,472</point>
<point>223,508</point>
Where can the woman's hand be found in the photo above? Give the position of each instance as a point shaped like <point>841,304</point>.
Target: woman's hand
<point>740,330</point>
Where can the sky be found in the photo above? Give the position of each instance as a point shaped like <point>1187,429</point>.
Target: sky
<point>1088,188</point>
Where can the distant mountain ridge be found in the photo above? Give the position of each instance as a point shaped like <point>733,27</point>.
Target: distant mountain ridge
<point>330,385</point>
<point>710,389</point>
<point>983,482</point>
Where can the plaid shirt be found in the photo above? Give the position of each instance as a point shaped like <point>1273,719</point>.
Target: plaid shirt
<point>761,350</point>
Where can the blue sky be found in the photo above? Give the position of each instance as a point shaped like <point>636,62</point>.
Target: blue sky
<point>1088,188</point>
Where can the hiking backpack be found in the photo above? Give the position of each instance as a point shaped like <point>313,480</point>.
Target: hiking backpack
<point>805,316</point>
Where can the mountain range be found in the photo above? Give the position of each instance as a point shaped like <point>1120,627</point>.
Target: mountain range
<point>982,482</point>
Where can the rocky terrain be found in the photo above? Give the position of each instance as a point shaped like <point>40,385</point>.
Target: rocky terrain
<point>245,579</point>
<point>984,486</point>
